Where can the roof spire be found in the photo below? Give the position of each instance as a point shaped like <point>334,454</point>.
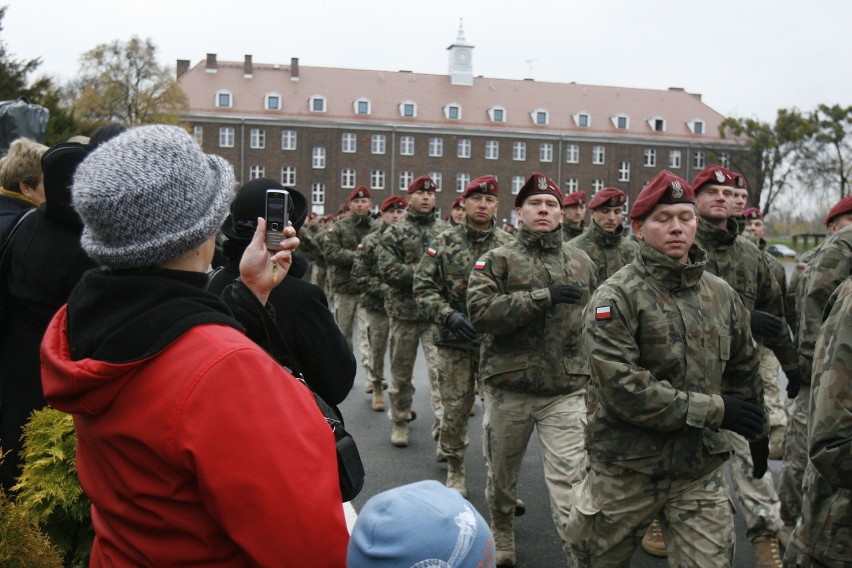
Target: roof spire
<point>460,38</point>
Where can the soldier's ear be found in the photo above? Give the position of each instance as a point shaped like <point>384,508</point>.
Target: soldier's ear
<point>636,226</point>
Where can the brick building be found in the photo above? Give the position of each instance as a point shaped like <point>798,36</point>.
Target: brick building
<point>326,130</point>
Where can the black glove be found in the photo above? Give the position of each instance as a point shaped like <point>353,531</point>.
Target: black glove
<point>461,326</point>
<point>565,294</point>
<point>744,418</point>
<point>759,457</point>
<point>765,325</point>
<point>794,382</point>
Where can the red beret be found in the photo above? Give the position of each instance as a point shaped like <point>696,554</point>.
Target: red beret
<point>665,188</point>
<point>457,202</point>
<point>840,208</point>
<point>538,183</point>
<point>575,198</point>
<point>393,202</point>
<point>608,197</point>
<point>359,191</point>
<point>752,213</point>
<point>482,184</point>
<point>424,183</point>
<point>717,175</point>
<point>343,208</point>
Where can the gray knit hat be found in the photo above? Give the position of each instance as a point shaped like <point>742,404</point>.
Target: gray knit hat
<point>148,196</point>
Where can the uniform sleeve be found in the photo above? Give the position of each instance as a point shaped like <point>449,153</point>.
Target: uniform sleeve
<point>389,255</point>
<point>429,284</point>
<point>360,273</point>
<point>335,253</point>
<point>265,461</point>
<point>769,299</point>
<point>741,375</point>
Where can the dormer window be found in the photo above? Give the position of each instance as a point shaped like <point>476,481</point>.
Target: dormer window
<point>497,114</point>
<point>362,106</point>
<point>317,103</point>
<point>452,111</point>
<point>224,99</point>
<point>540,116</point>
<point>272,101</point>
<point>582,119</point>
<point>696,126</point>
<point>621,121</point>
<point>657,124</point>
<point>408,109</point>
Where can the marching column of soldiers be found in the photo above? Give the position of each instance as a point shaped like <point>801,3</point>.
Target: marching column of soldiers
<point>646,356</point>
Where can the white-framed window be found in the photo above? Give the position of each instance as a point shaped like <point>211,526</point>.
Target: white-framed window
<point>436,147</point>
<point>674,159</point>
<point>198,134</point>
<point>406,145</point>
<point>657,123</point>
<point>256,172</point>
<point>288,175</point>
<point>288,139</point>
<point>598,154</point>
<point>696,126</point>
<point>497,114</point>
<point>598,185</point>
<point>317,193</point>
<point>582,119</point>
<point>649,158</point>
<point>540,116</point>
<point>621,121</point>
<point>572,185</point>
<point>624,171</point>
<point>362,106</point>
<point>226,137</point>
<point>519,151</point>
<point>545,152</point>
<point>725,160</point>
<point>257,139</point>
<point>492,150</point>
<point>272,101</point>
<point>318,158</point>
<point>349,143</point>
<point>699,160</point>
<point>378,143</point>
<point>463,148</point>
<point>224,99</point>
<point>317,103</point>
<point>461,182</point>
<point>377,179</point>
<point>453,111</point>
<point>517,184</point>
<point>572,153</point>
<point>438,178</point>
<point>408,109</point>
<point>347,178</point>
<point>405,179</point>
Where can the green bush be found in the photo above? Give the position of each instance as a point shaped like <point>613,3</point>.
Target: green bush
<point>22,545</point>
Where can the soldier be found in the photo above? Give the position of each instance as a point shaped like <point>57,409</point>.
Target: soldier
<point>574,214</point>
<point>822,534</point>
<point>603,241</point>
<point>457,211</point>
<point>528,296</point>
<point>340,243</point>
<point>672,362</point>
<point>402,246</point>
<point>739,199</point>
<point>440,290</point>
<point>372,317</point>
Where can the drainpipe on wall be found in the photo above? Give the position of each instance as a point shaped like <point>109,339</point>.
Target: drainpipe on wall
<point>242,149</point>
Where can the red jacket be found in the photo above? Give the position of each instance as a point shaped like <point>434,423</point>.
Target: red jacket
<point>206,454</point>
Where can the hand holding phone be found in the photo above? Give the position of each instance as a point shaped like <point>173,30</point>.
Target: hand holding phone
<point>277,215</point>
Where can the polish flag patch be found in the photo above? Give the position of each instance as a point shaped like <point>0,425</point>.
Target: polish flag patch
<point>479,265</point>
<point>431,252</point>
<point>603,313</point>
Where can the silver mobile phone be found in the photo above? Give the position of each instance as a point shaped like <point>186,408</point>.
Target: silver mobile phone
<point>277,215</point>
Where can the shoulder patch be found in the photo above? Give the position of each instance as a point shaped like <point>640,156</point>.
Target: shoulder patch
<point>431,252</point>
<point>479,264</point>
<point>603,313</point>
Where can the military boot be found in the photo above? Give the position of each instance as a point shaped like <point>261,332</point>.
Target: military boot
<point>378,400</point>
<point>399,434</point>
<point>455,475</point>
<point>766,553</point>
<point>654,543</point>
<point>504,540</point>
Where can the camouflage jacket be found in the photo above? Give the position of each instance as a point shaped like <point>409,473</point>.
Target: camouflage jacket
<point>532,346</point>
<point>826,523</point>
<point>830,266</point>
<point>308,245</point>
<point>609,251</point>
<point>664,340</point>
<point>341,242</point>
<point>401,247</point>
<point>744,267</point>
<point>796,292</point>
<point>365,272</point>
<point>569,232</point>
<point>778,272</point>
<point>440,281</point>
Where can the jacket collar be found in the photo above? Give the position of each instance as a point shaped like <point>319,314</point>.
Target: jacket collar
<point>712,237</point>
<point>475,235</point>
<point>420,218</point>
<point>540,241</point>
<point>605,238</point>
<point>670,273</point>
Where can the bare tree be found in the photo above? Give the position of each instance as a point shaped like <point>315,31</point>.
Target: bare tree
<point>826,163</point>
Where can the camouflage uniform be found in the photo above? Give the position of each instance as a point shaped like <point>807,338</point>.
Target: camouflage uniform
<point>569,232</point>
<point>796,291</point>
<point>341,241</point>
<point>401,247</point>
<point>823,535</point>
<point>664,339</point>
<point>533,366</point>
<point>308,245</point>
<point>372,318</point>
<point>440,288</point>
<point>609,251</point>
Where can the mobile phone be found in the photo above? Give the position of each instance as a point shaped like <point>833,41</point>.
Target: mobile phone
<point>277,215</point>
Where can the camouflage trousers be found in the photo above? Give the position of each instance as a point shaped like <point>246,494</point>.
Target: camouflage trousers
<point>404,336</point>
<point>318,276</point>
<point>344,308</point>
<point>795,457</point>
<point>373,330</point>
<point>457,371</point>
<point>614,506</point>
<point>769,370</point>
<point>507,426</point>
<point>758,499</point>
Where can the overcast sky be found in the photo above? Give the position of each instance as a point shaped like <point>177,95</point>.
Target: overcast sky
<point>747,58</point>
